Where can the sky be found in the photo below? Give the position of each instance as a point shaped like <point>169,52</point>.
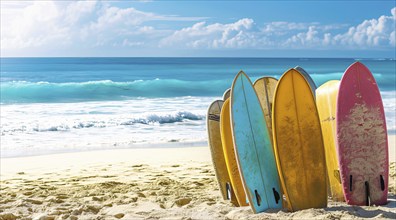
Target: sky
<point>198,29</point>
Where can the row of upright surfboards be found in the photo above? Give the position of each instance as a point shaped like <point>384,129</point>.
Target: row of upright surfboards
<point>274,144</point>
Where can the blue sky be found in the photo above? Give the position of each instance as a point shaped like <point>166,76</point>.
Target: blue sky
<point>199,28</point>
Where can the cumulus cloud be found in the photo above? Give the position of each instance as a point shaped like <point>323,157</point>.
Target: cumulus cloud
<point>77,11</point>
<point>245,33</point>
<point>44,23</point>
<point>32,28</point>
<point>69,26</point>
<point>373,33</point>
<point>233,35</point>
<point>55,24</point>
<point>307,39</point>
<point>392,39</point>
<point>370,33</point>
<point>283,28</point>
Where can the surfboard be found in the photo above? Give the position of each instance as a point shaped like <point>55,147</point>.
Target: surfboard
<point>265,89</point>
<point>229,154</point>
<point>226,94</point>
<point>308,78</point>
<point>298,143</point>
<point>326,100</point>
<point>362,138</point>
<point>253,148</point>
<point>216,150</point>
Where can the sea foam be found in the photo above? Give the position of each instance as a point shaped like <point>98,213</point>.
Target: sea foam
<point>42,128</point>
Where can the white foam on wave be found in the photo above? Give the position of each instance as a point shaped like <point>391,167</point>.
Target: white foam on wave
<point>35,129</point>
<point>389,102</point>
<point>31,129</point>
<point>81,122</point>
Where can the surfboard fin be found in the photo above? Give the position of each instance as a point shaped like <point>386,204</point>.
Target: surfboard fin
<point>350,182</point>
<point>276,195</point>
<point>258,197</point>
<point>366,184</point>
<point>382,183</point>
<point>228,188</point>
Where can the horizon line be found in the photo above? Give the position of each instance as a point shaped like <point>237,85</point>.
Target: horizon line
<point>200,57</point>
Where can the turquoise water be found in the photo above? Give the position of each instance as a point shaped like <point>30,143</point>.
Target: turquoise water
<point>134,102</point>
<point>47,80</point>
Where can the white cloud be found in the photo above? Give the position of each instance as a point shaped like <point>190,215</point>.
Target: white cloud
<point>42,23</point>
<point>374,33</point>
<point>370,33</point>
<point>245,33</point>
<point>392,39</point>
<point>69,25</point>
<point>233,35</point>
<point>283,27</point>
<point>32,28</point>
<point>121,17</point>
<point>76,11</point>
<point>129,43</point>
<point>307,39</point>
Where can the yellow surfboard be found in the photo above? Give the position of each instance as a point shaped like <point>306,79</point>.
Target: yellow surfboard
<point>326,99</point>
<point>265,89</point>
<point>298,143</point>
<point>216,150</point>
<point>229,154</point>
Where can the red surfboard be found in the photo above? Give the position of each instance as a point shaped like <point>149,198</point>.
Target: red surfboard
<point>362,142</point>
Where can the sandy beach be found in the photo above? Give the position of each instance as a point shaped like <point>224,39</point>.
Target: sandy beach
<point>155,183</point>
<point>105,109</point>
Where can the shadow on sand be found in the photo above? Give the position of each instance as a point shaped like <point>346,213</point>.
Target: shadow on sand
<point>369,212</point>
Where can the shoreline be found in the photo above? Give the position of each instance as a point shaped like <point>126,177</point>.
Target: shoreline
<point>159,145</point>
<point>176,144</point>
<point>144,183</point>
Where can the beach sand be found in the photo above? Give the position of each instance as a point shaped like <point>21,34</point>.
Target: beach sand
<point>155,183</point>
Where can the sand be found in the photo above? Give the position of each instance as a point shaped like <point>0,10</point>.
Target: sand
<point>156,183</point>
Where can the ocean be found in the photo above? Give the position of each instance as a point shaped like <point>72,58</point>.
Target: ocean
<point>57,105</point>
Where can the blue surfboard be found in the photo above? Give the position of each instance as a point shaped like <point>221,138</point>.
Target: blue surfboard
<point>253,147</point>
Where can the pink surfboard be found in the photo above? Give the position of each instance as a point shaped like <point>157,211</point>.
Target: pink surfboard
<point>362,143</point>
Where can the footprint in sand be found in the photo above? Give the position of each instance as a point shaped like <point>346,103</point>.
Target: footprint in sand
<point>27,193</point>
<point>5,201</point>
<point>13,195</point>
<point>92,208</point>
<point>139,194</point>
<point>55,200</point>
<point>138,165</point>
<point>119,215</point>
<point>62,196</point>
<point>34,201</point>
<point>8,216</point>
<point>182,202</point>
<point>98,198</point>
